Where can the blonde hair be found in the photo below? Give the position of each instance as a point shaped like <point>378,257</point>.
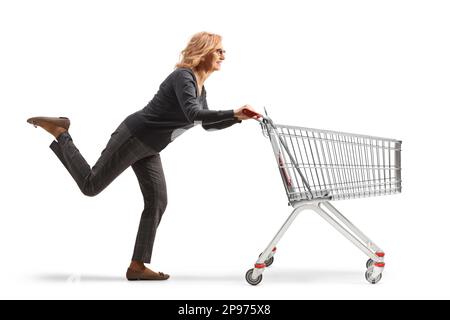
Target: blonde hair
<point>200,45</point>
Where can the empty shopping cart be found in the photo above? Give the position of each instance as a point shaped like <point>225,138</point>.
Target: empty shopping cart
<point>317,166</point>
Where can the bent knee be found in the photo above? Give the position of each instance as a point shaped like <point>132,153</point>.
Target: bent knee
<point>91,190</point>
<point>159,203</point>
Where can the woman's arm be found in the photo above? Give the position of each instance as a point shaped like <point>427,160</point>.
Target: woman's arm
<point>220,125</point>
<point>185,90</point>
<point>212,126</point>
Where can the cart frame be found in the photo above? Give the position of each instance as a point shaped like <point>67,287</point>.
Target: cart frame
<point>357,166</point>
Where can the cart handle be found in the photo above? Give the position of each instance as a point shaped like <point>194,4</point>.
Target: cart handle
<point>251,114</point>
<point>267,121</point>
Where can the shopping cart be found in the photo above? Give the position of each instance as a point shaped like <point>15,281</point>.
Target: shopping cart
<point>317,166</point>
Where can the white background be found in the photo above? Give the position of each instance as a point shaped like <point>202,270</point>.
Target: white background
<point>373,67</point>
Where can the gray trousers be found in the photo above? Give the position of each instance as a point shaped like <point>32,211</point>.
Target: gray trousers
<point>122,151</point>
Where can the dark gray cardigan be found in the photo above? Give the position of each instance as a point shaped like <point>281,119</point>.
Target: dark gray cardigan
<point>174,109</point>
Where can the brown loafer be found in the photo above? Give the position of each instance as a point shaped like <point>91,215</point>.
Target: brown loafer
<point>57,121</point>
<point>145,275</point>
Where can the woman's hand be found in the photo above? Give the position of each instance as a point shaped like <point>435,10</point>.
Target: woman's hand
<point>238,113</point>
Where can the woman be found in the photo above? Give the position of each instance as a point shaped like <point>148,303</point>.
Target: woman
<point>179,104</point>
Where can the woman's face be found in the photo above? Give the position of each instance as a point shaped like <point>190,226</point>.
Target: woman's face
<point>214,59</point>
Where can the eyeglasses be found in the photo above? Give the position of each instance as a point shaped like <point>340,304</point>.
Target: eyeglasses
<point>221,52</point>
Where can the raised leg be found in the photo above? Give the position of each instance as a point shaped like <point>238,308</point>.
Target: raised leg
<point>121,151</point>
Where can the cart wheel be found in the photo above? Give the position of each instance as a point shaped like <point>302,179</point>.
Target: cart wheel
<point>371,279</point>
<point>369,263</point>
<point>250,280</point>
<point>269,261</point>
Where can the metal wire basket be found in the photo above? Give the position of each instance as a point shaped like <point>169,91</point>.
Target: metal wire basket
<point>335,165</point>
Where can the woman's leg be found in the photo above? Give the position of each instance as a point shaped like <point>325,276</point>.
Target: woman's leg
<point>122,151</point>
<point>151,179</point>
<point>152,182</point>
